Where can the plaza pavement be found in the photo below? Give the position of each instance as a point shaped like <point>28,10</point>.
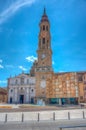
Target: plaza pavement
<point>44,125</point>
<point>30,107</point>
<point>46,118</point>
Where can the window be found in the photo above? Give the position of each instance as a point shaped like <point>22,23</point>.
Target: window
<point>47,28</point>
<point>37,69</point>
<point>22,81</point>
<point>43,41</point>
<point>21,88</point>
<point>80,78</point>
<point>47,41</point>
<point>32,90</point>
<point>43,27</point>
<point>11,90</point>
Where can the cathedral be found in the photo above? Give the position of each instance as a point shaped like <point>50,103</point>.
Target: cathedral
<point>42,84</point>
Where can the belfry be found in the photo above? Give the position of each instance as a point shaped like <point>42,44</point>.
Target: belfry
<point>44,46</point>
<point>44,52</point>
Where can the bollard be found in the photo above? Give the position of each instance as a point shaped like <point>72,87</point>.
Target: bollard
<point>5,118</point>
<point>83,115</point>
<point>68,115</point>
<point>38,117</point>
<point>54,116</point>
<point>22,117</point>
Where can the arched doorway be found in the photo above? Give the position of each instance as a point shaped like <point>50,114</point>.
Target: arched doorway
<point>21,99</point>
<point>21,95</point>
<point>11,100</point>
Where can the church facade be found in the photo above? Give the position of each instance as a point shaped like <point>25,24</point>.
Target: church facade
<point>42,84</point>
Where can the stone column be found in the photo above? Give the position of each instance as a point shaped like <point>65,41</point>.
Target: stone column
<point>27,95</point>
<point>60,102</point>
<point>15,95</point>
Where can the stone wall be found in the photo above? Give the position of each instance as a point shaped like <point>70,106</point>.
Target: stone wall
<point>63,85</point>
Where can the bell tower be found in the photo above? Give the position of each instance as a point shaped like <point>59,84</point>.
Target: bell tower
<point>44,46</point>
<point>44,64</point>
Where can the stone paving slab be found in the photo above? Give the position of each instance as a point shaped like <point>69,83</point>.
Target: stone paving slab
<point>30,116</point>
<point>76,114</point>
<point>14,117</point>
<point>46,116</point>
<point>2,117</point>
<point>61,115</point>
<point>43,125</point>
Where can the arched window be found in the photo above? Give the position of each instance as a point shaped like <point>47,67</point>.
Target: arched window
<point>22,81</point>
<point>47,41</point>
<point>11,90</point>
<point>43,40</point>
<point>47,28</point>
<point>43,27</point>
<point>32,90</point>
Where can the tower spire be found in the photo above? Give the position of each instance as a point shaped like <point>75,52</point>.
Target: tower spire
<point>44,16</point>
<point>44,11</point>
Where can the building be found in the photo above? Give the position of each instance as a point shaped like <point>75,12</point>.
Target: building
<point>21,89</point>
<point>3,95</point>
<point>42,84</point>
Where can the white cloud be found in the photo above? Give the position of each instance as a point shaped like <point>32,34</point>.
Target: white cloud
<point>61,71</point>
<point>1,61</point>
<point>1,67</point>
<point>3,81</point>
<point>53,62</point>
<point>31,58</point>
<point>13,8</point>
<point>22,68</point>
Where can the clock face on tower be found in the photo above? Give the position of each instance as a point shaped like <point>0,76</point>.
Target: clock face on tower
<point>43,56</point>
<point>43,84</point>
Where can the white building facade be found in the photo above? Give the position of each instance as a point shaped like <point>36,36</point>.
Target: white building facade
<point>21,89</point>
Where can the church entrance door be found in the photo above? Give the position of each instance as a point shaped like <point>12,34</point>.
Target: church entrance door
<point>11,100</point>
<point>21,99</point>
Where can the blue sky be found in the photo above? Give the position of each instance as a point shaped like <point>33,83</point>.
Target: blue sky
<point>19,29</point>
